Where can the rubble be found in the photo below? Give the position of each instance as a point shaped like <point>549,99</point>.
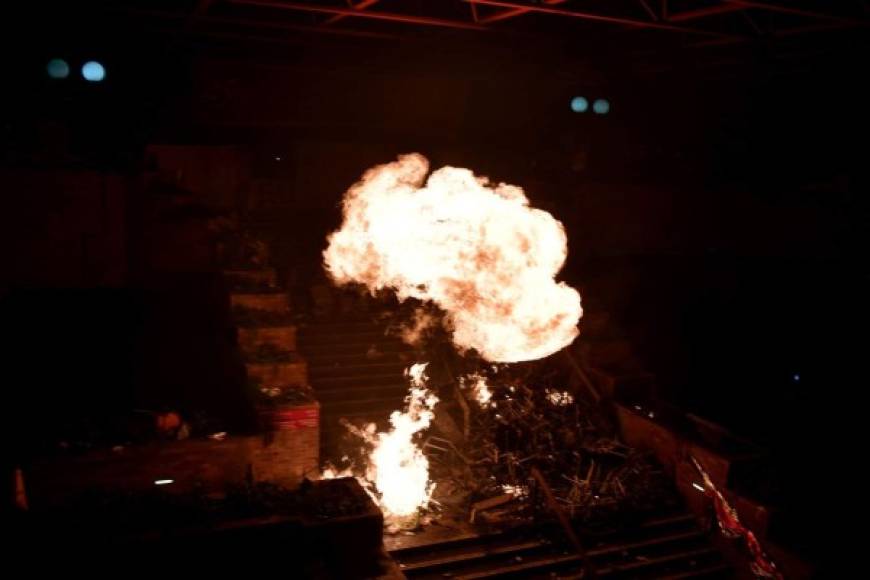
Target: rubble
<point>245,317</point>
<point>531,424</point>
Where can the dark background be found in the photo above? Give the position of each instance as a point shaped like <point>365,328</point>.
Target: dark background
<point>718,212</point>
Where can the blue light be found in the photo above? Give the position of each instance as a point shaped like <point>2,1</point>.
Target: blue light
<point>579,105</point>
<point>601,106</point>
<point>93,71</point>
<point>57,68</point>
<point>796,377</point>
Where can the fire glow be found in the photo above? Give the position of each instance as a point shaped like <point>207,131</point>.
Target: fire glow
<point>476,250</point>
<point>480,390</point>
<point>401,471</point>
<point>397,471</point>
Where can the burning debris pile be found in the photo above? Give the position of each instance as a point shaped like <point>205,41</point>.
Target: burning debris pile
<point>481,266</point>
<point>518,424</point>
<point>509,422</point>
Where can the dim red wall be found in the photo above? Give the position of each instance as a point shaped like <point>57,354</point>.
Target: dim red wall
<point>63,228</point>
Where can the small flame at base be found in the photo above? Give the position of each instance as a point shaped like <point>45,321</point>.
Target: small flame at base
<point>397,474</point>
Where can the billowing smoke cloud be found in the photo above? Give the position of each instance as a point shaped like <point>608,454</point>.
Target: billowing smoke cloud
<point>476,250</point>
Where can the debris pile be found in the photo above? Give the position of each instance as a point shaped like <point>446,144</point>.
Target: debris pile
<point>514,424</point>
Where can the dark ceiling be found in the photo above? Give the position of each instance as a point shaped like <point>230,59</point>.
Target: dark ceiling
<point>689,70</point>
<point>650,35</point>
<point>683,23</point>
<point>725,20</point>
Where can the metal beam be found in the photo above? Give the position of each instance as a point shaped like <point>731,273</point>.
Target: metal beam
<point>751,22</point>
<point>649,10</point>
<point>361,6</point>
<point>386,16</point>
<point>602,18</point>
<point>703,12</point>
<point>512,12</point>
<point>246,23</point>
<point>504,15</point>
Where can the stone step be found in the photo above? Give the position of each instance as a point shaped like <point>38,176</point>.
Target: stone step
<point>265,301</point>
<point>265,277</point>
<point>374,409</point>
<point>252,338</point>
<point>356,370</point>
<point>381,378</point>
<point>345,324</point>
<point>358,348</point>
<point>329,359</point>
<point>397,391</point>
<point>279,374</point>
<point>343,336</point>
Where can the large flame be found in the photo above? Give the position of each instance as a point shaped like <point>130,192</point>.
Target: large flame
<point>479,388</point>
<point>401,471</point>
<point>397,472</point>
<point>476,250</point>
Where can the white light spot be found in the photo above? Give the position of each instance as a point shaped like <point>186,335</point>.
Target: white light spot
<point>579,105</point>
<point>601,106</point>
<point>163,481</point>
<point>93,71</point>
<point>698,486</point>
<point>57,68</point>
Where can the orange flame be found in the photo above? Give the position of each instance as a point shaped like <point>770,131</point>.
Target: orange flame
<point>476,250</point>
<point>479,388</point>
<point>401,471</point>
<point>397,472</point>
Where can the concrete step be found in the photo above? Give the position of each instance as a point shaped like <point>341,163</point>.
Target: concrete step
<point>252,338</point>
<point>355,370</point>
<point>277,302</point>
<point>264,277</point>
<point>382,378</point>
<point>329,359</point>
<point>343,336</point>
<point>342,325</point>
<point>375,407</point>
<point>326,349</point>
<point>279,374</point>
<point>671,547</point>
<point>397,391</point>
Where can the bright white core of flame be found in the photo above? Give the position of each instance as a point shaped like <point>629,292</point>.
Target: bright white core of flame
<point>476,250</point>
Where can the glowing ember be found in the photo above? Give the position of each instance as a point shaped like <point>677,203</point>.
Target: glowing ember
<point>476,250</point>
<point>516,490</point>
<point>559,398</point>
<point>479,388</point>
